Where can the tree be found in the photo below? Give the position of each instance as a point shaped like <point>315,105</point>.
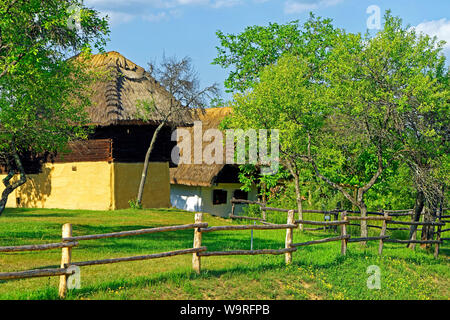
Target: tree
<point>288,99</point>
<point>373,83</point>
<point>182,84</point>
<point>277,75</point>
<point>42,93</point>
<point>247,53</point>
<point>427,138</point>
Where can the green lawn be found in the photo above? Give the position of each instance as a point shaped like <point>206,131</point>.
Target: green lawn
<point>317,272</point>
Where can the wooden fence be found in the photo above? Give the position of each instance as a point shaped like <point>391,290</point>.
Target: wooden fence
<point>440,223</point>
<point>198,251</point>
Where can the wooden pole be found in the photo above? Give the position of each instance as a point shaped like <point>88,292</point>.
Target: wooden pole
<point>233,204</point>
<point>344,234</point>
<point>263,211</point>
<point>438,237</point>
<point>66,256</point>
<point>264,202</point>
<point>289,237</point>
<point>383,233</point>
<point>197,243</point>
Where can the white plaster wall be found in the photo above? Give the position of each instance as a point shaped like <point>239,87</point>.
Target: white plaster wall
<point>186,197</point>
<point>200,198</point>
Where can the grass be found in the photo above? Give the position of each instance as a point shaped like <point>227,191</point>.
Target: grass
<point>317,272</point>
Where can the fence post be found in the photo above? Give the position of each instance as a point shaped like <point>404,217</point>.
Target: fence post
<point>232,207</point>
<point>263,211</point>
<point>197,243</point>
<point>383,233</point>
<point>289,236</point>
<point>344,233</point>
<point>65,260</point>
<point>412,246</point>
<point>438,237</point>
<point>336,217</point>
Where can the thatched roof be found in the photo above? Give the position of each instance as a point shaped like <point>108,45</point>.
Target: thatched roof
<point>124,83</point>
<point>201,174</point>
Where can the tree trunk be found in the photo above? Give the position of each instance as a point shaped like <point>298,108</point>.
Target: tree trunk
<point>364,232</point>
<point>293,169</point>
<point>9,188</point>
<point>363,211</point>
<point>428,231</point>
<point>146,164</point>
<point>418,207</point>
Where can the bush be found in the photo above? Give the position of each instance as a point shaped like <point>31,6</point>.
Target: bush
<point>134,204</point>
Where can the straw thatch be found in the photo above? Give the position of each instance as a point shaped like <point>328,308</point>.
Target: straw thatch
<point>122,86</point>
<point>201,174</point>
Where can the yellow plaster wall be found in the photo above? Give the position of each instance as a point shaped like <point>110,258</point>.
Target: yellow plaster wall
<point>157,186</point>
<point>93,186</point>
<point>77,185</point>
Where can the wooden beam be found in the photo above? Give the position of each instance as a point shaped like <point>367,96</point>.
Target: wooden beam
<point>289,236</point>
<point>322,223</point>
<point>320,241</point>
<point>368,239</point>
<point>66,256</point>
<point>197,243</point>
<point>418,223</point>
<point>413,241</point>
<point>34,274</point>
<point>136,232</point>
<point>139,258</point>
<point>246,252</point>
<point>369,218</point>
<point>39,247</point>
<point>249,227</point>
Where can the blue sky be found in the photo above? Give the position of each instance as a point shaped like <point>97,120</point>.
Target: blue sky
<point>142,30</point>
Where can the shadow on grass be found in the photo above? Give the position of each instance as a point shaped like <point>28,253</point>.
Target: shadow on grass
<point>183,275</point>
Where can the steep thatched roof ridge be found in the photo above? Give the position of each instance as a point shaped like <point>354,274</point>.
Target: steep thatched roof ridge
<point>124,83</point>
<point>201,174</point>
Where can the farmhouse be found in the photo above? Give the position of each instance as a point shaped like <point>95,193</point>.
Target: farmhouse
<point>207,187</point>
<point>103,172</point>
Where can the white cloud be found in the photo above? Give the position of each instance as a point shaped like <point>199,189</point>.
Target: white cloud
<point>118,17</point>
<point>439,28</point>
<point>294,7</point>
<point>122,11</point>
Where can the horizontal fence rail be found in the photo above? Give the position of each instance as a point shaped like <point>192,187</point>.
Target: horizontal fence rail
<point>139,258</point>
<point>321,223</point>
<point>39,247</point>
<point>320,241</point>
<point>249,227</point>
<point>136,232</point>
<point>34,273</point>
<point>418,223</point>
<point>246,252</point>
<point>368,239</point>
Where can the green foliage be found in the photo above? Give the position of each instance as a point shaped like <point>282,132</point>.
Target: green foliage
<point>43,93</point>
<point>365,111</point>
<point>247,53</point>
<point>134,204</point>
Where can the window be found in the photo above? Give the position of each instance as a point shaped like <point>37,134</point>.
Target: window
<point>240,195</point>
<point>219,197</point>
